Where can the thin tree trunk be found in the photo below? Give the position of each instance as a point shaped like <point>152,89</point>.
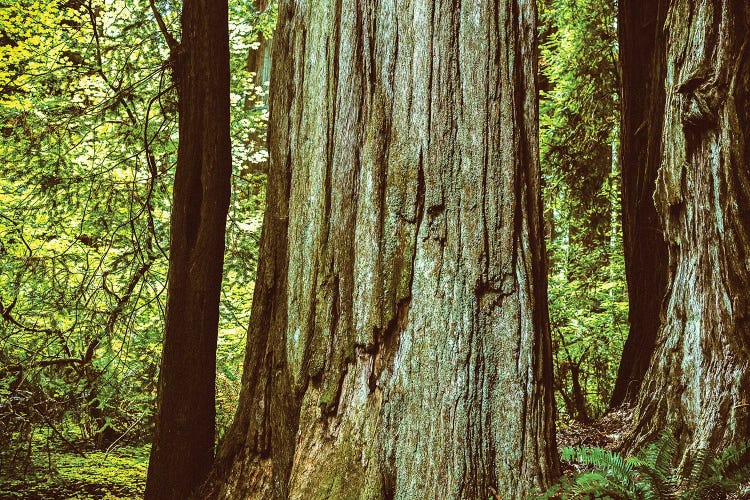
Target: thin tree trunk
<point>259,63</point>
<point>399,341</point>
<point>642,56</point>
<point>699,381</point>
<point>183,448</point>
<point>579,398</point>
<point>259,58</point>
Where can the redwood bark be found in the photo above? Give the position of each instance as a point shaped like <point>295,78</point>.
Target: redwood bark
<point>699,382</point>
<point>183,449</point>
<point>399,341</point>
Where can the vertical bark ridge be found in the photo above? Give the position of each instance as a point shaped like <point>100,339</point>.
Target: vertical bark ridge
<point>413,240</point>
<point>247,451</point>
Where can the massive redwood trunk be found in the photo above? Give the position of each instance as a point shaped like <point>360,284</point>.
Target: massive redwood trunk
<point>399,343</point>
<point>183,449</point>
<point>643,66</point>
<point>699,381</point>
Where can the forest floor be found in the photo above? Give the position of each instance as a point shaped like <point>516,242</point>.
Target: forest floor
<point>606,432</point>
<point>50,474</point>
<point>46,472</point>
<point>121,473</point>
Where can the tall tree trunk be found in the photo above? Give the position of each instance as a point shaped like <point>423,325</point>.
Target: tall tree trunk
<point>642,56</point>
<point>699,381</point>
<point>399,342</point>
<point>183,448</point>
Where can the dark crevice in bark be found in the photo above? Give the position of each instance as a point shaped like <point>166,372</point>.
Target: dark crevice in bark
<point>331,387</point>
<point>387,343</point>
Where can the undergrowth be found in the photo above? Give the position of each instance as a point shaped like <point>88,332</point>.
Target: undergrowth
<point>653,475</point>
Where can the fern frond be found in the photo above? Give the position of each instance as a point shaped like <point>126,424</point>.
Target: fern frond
<point>660,455</point>
<point>651,475</point>
<point>568,454</point>
<point>716,476</point>
<point>597,486</point>
<point>699,471</point>
<point>733,462</point>
<point>656,485</point>
<point>613,465</point>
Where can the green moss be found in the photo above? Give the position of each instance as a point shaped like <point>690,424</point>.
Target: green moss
<point>118,475</point>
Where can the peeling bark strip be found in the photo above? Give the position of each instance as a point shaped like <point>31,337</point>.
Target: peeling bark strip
<point>699,382</point>
<point>399,342</point>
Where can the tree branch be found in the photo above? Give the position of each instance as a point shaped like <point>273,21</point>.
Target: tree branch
<point>171,42</point>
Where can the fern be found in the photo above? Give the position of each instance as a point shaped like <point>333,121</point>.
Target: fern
<point>660,455</point>
<point>596,485</point>
<point>652,475</point>
<point>615,467</point>
<point>719,475</point>
<point>656,479</point>
<point>654,485</point>
<point>701,479</point>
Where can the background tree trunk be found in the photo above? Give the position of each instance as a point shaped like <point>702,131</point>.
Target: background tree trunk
<point>183,448</point>
<point>259,63</point>
<point>259,58</point>
<point>699,382</point>
<point>643,69</point>
<point>399,342</point>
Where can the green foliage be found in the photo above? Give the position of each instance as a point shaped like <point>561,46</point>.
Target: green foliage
<point>88,138</point>
<point>87,147</point>
<point>653,475</point>
<point>578,145</point>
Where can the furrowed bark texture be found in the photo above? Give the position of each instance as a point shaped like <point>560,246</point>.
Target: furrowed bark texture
<point>183,449</point>
<point>699,382</point>
<point>399,343</point>
<point>643,68</point>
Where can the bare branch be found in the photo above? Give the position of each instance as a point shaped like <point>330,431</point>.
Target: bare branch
<point>171,42</point>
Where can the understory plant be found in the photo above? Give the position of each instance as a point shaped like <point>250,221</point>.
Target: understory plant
<point>653,475</point>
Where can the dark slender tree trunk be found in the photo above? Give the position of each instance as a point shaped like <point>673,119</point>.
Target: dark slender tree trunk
<point>399,342</point>
<point>579,398</point>
<point>643,65</point>
<point>699,381</point>
<point>183,448</point>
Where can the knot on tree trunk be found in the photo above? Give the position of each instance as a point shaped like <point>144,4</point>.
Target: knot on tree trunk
<point>700,100</point>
